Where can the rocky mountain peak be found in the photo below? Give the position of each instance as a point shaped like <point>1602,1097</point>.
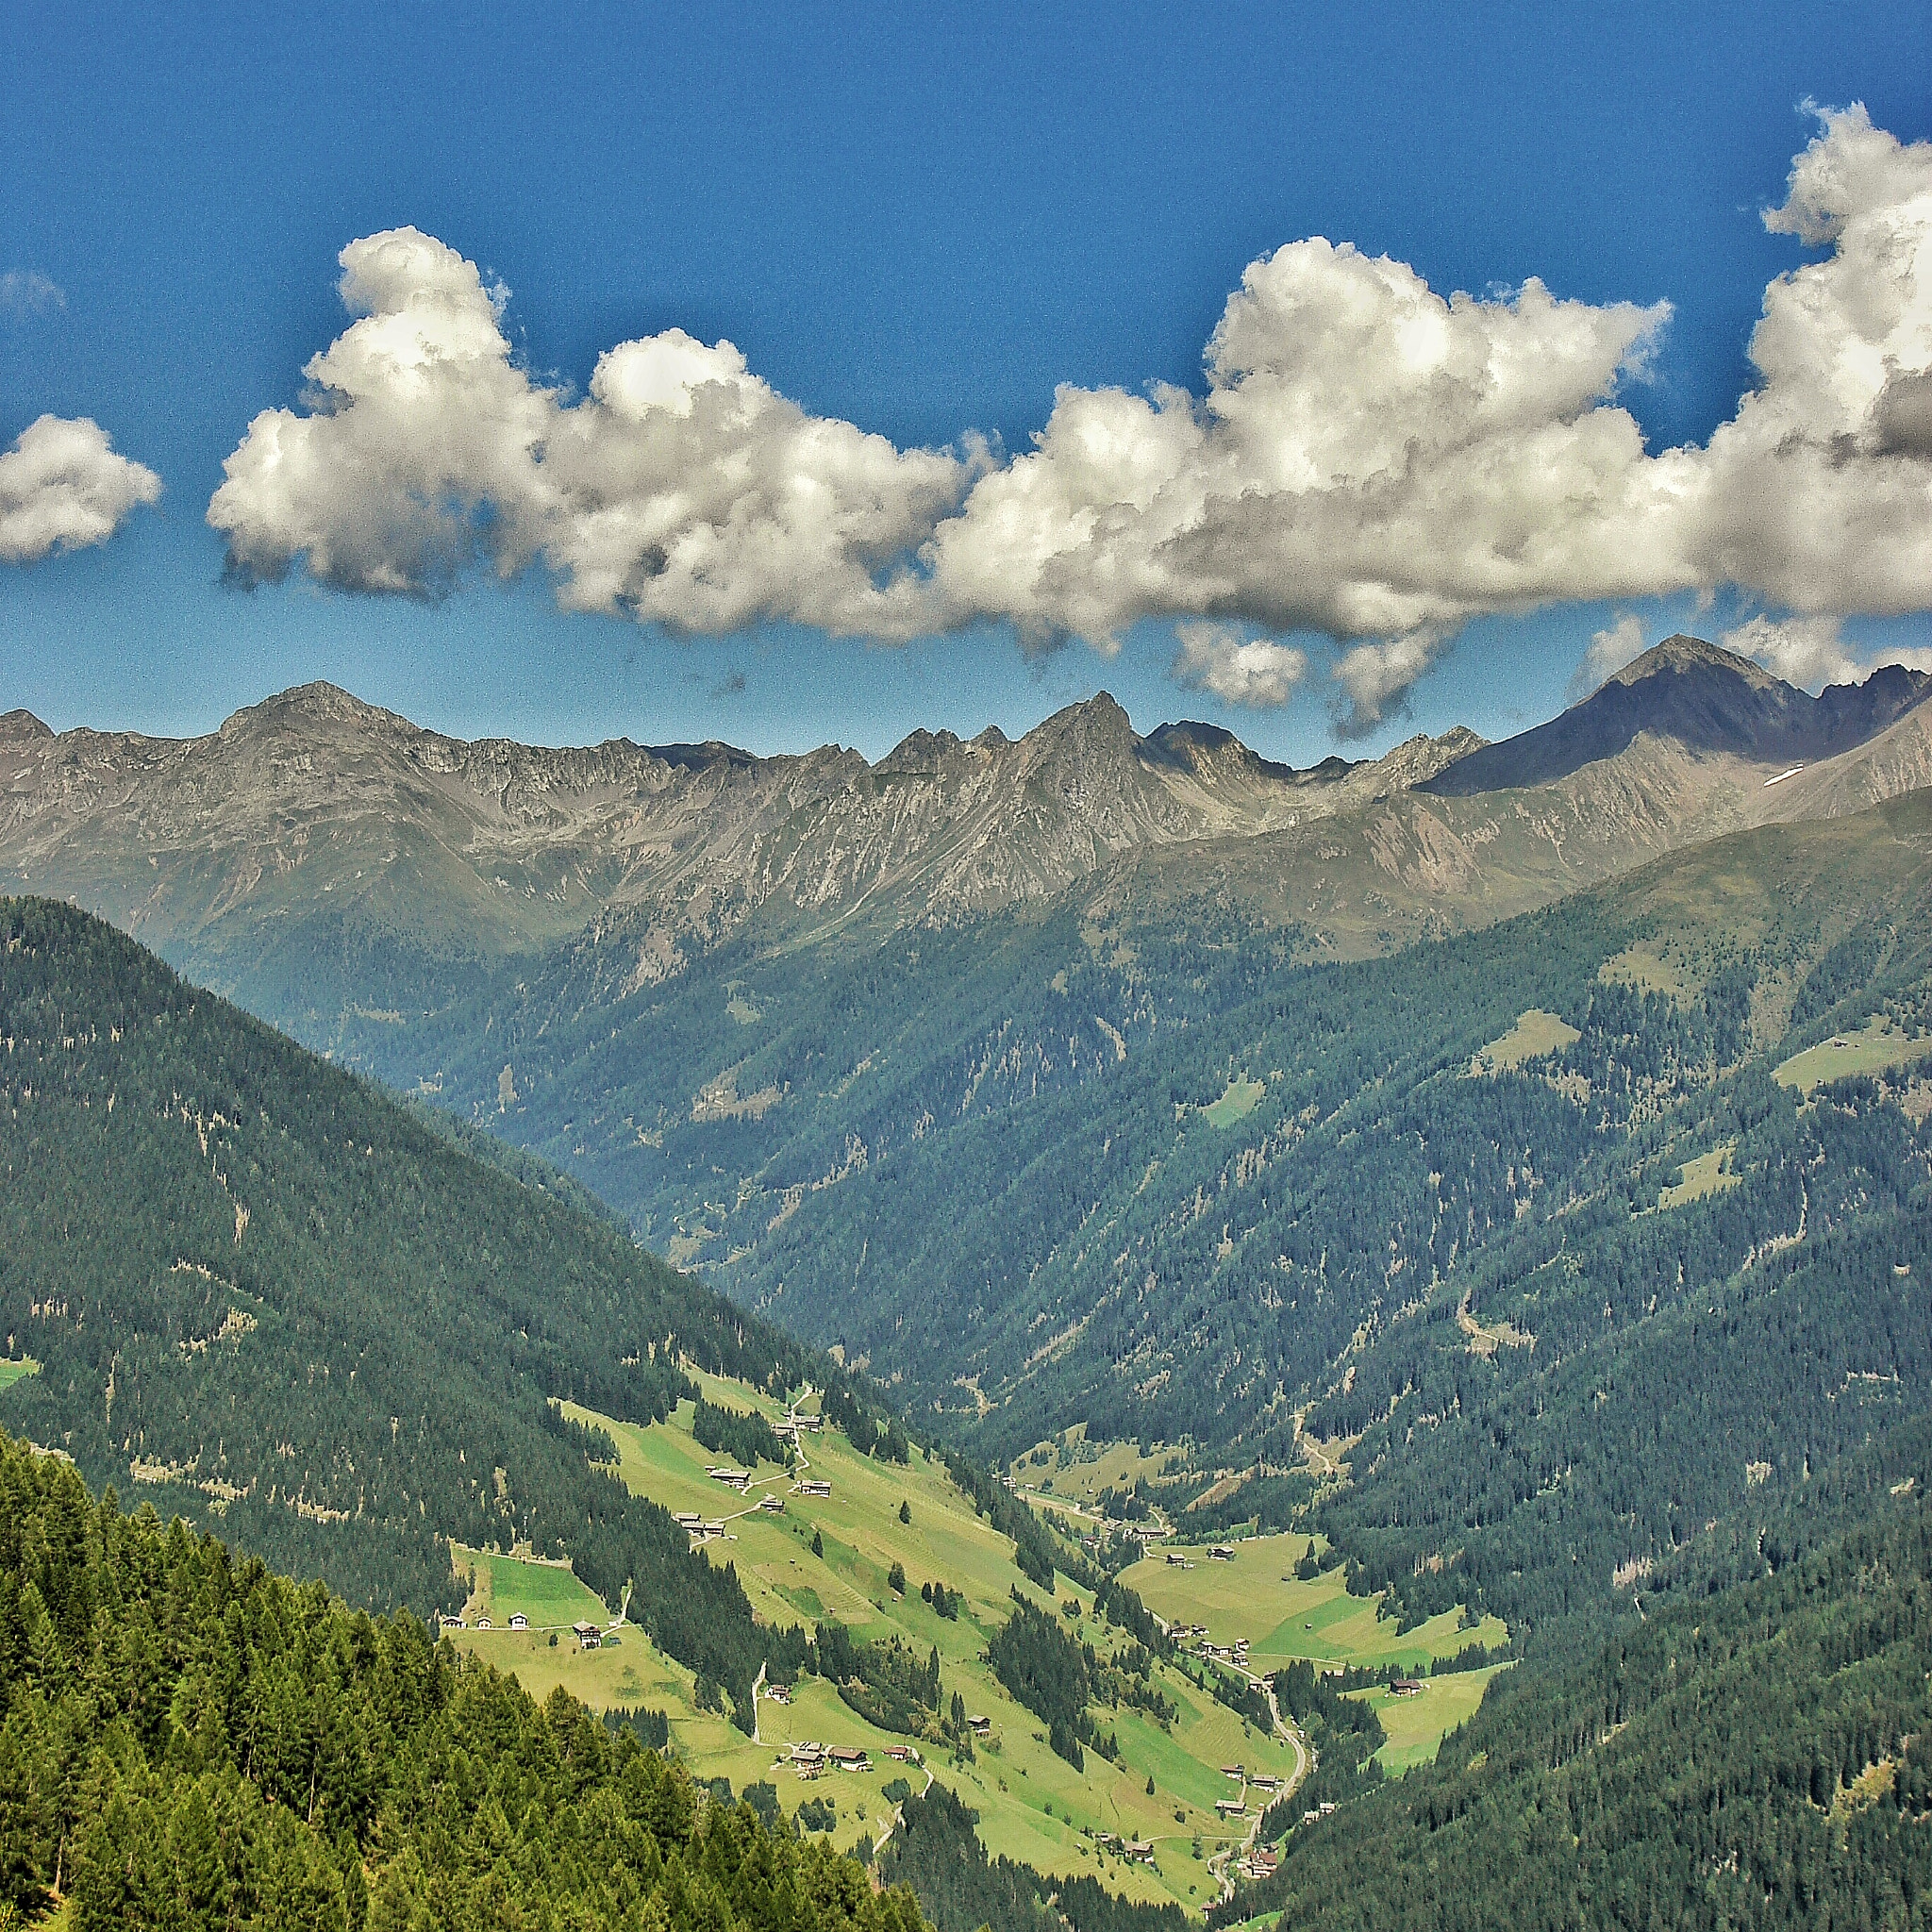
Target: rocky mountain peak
<point>1682,653</point>
<point>21,727</point>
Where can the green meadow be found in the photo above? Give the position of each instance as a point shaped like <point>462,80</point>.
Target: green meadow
<point>1872,1049</point>
<point>1032,1805</point>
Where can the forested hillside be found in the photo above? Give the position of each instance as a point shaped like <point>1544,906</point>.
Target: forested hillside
<point>1752,1753</point>
<point>260,1293</point>
<point>188,1742</point>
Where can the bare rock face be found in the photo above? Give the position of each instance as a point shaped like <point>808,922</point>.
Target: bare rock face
<point>314,823</point>
<point>314,799</point>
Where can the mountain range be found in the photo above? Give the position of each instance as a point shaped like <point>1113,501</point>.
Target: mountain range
<point>317,855</point>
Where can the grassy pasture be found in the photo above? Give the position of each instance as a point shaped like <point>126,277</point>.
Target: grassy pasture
<point>1534,1034</point>
<point>1416,1725</point>
<point>1257,1596</point>
<point>12,1370</point>
<point>547,1593</point>
<point>1707,1173</point>
<point>1241,1098</point>
<point>1870,1050</point>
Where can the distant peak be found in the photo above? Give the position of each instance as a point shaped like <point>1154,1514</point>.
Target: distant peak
<point>317,703</point>
<point>22,725</point>
<point>1681,653</point>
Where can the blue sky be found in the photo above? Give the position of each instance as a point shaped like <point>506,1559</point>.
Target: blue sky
<point>919,221</point>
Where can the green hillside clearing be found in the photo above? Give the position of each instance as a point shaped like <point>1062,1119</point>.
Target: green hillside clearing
<point>1870,1050</point>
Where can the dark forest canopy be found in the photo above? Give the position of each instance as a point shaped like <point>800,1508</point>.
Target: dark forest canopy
<point>188,1742</point>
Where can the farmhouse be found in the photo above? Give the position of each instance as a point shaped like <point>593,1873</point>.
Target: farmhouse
<point>588,1635</point>
<point>775,1504</point>
<point>779,1693</point>
<point>814,1486</point>
<point>1407,1687</point>
<point>484,1624</point>
<point>1221,1552</point>
<point>1230,1808</point>
<point>520,1622</point>
<point>845,1758</point>
<point>1142,1849</point>
<point>689,1519</point>
<point>1262,1781</point>
<point>979,1726</point>
<point>1176,1561</point>
<point>899,1753</point>
<point>731,1478</point>
<point>1234,1771</point>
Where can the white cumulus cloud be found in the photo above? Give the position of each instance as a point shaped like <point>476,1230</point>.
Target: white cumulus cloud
<point>62,486</point>
<point>1369,460</point>
<point>682,489</point>
<point>1253,672</point>
<point>1810,651</point>
<point>1620,643</point>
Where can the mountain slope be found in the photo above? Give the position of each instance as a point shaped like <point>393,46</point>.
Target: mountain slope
<point>258,1289</point>
<point>1708,700</point>
<point>1749,1755</point>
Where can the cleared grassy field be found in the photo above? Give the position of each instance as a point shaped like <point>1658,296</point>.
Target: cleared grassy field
<point>1416,1725</point>
<point>1534,1034</point>
<point>547,1593</point>
<point>12,1371</point>
<point>1257,1596</point>
<point>1872,1049</point>
<point>1241,1098</point>
<point>1116,1465</point>
<point>1709,1174</point>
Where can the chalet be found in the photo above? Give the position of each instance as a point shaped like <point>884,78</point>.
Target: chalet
<point>979,1726</point>
<point>1230,1808</point>
<point>814,1486</point>
<point>775,1504</point>
<point>588,1637</point>
<point>899,1753</point>
<point>845,1758</point>
<point>808,1752</point>
<point>1262,1781</point>
<point>449,1622</point>
<point>520,1622</point>
<point>731,1478</point>
<point>1407,1687</point>
<point>1221,1552</point>
<point>779,1693</point>
<point>1176,1561</point>
<point>1234,1771</point>
<point>794,1421</point>
<point>1140,1848</point>
<point>484,1624</point>
<point>689,1519</point>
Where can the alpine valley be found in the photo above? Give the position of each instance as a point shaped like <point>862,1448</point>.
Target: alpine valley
<point>1345,1345</point>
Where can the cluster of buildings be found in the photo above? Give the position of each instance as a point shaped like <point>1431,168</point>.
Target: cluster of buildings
<point>1235,1652</point>
<point>697,1527</point>
<point>810,1758</point>
<point>1141,1850</point>
<point>1259,1863</point>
